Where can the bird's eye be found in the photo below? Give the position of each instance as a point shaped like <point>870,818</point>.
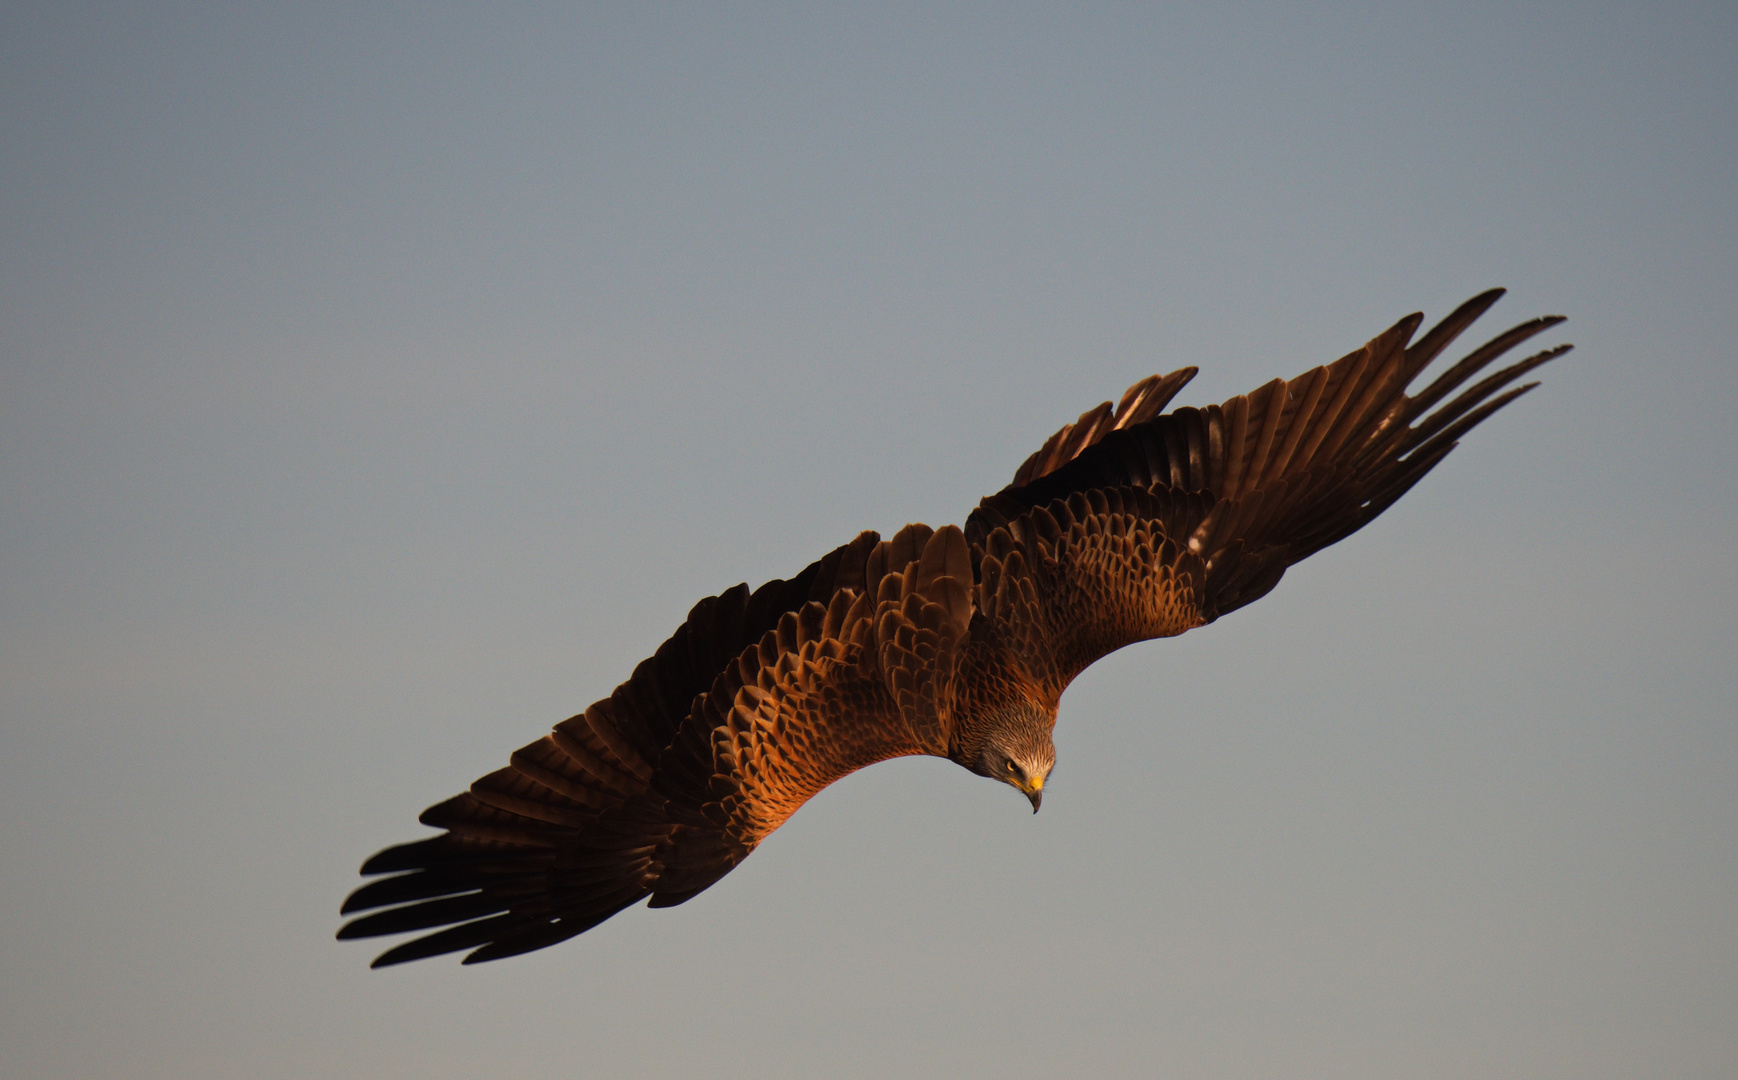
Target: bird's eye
<point>1010,766</point>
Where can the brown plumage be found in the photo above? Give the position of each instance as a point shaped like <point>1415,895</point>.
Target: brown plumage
<point>1126,525</point>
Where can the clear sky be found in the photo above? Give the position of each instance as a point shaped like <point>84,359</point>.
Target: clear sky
<point>376,390</point>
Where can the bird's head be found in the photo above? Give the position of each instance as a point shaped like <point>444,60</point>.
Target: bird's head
<point>1020,755</point>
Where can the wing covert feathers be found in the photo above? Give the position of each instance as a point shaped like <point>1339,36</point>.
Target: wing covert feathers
<point>1247,488</point>
<point>1127,524</point>
<point>755,703</point>
<point>1064,584</point>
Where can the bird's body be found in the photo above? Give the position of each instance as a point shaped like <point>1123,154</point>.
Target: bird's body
<point>1127,525</point>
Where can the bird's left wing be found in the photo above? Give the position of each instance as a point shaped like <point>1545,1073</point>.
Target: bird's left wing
<point>1130,525</point>
<point>622,802</point>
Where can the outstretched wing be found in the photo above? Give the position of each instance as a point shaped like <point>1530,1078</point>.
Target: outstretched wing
<point>1128,526</point>
<point>757,702</point>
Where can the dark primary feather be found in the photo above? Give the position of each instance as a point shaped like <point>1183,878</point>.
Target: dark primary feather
<point>1126,525</point>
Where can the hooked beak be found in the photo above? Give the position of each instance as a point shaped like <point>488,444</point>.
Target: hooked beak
<point>1034,792</point>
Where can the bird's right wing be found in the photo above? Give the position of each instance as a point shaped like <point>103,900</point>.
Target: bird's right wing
<point>778,694</point>
<point>834,688</point>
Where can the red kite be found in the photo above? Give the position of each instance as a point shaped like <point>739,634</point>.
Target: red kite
<point>1126,525</point>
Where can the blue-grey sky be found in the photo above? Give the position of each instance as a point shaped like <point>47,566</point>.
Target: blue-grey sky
<point>377,389</point>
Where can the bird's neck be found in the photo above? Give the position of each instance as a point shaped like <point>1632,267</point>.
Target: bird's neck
<point>995,690</point>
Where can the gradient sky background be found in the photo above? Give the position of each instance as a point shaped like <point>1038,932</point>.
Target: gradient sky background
<point>376,390</point>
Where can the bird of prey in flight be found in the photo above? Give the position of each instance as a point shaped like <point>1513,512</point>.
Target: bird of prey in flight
<point>1127,524</point>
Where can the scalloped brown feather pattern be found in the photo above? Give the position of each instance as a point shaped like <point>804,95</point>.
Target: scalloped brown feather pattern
<point>1126,525</point>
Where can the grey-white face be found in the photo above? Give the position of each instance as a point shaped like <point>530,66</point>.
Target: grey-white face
<point>1021,763</point>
